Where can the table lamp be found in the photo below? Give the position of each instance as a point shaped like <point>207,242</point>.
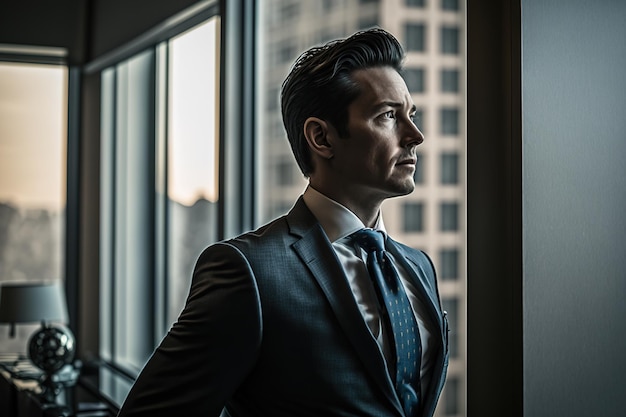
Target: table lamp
<point>52,346</point>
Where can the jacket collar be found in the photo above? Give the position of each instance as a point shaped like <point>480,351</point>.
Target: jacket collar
<point>316,252</point>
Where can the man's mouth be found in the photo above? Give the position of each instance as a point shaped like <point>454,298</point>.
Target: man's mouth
<point>407,161</point>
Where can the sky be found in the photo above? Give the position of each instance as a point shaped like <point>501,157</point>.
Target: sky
<point>193,115</point>
<point>33,103</point>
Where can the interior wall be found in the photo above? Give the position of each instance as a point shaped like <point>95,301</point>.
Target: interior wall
<point>59,23</point>
<point>116,22</point>
<point>574,196</point>
<point>86,28</point>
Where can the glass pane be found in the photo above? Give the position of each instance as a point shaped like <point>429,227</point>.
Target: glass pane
<point>132,182</point>
<point>192,156</point>
<point>414,78</point>
<point>107,213</point>
<point>413,217</point>
<point>449,217</point>
<point>449,40</point>
<point>449,121</point>
<point>414,3</point>
<point>449,264</point>
<point>441,114</point>
<point>450,80</point>
<point>415,37</point>
<point>450,4</point>
<point>33,136</point>
<point>449,168</point>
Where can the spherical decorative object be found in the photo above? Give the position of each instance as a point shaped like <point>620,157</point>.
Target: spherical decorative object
<point>51,348</point>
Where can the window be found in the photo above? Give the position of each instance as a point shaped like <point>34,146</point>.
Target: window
<point>450,5</point>
<point>284,52</point>
<point>192,156</point>
<point>449,80</point>
<point>449,264</point>
<point>414,37</point>
<point>328,5</point>
<point>449,121</point>
<point>32,179</point>
<point>413,217</point>
<point>273,100</point>
<point>285,173</point>
<point>449,168</point>
<point>450,398</point>
<point>127,223</point>
<point>449,40</point>
<point>366,23</point>
<point>159,164</point>
<point>414,78</point>
<point>418,175</point>
<point>449,217</point>
<point>414,3</point>
<point>288,11</point>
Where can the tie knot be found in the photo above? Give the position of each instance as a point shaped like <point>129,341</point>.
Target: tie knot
<point>370,240</point>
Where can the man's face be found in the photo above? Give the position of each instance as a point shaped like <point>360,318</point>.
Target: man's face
<point>377,160</point>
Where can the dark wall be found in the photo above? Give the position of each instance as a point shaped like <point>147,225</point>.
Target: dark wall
<point>574,197</point>
<point>57,23</point>
<point>87,29</point>
<point>116,22</point>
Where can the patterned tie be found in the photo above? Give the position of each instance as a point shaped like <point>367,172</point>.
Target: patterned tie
<point>399,317</point>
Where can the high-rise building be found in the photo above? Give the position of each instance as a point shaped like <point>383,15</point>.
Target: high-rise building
<point>432,218</point>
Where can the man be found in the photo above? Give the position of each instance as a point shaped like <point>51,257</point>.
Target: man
<point>285,320</point>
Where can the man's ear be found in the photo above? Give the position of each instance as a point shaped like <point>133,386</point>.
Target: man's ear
<point>317,133</point>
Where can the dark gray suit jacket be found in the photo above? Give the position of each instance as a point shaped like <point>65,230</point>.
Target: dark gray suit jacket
<point>271,328</point>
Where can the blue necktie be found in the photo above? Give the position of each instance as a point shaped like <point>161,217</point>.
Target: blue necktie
<point>398,313</point>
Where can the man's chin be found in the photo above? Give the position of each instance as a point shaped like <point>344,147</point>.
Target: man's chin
<point>404,189</point>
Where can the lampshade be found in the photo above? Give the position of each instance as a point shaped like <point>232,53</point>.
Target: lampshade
<point>32,302</point>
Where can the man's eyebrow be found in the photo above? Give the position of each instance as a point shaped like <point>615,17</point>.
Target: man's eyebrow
<point>393,104</point>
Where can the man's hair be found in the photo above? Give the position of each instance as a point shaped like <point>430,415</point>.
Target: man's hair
<point>320,84</point>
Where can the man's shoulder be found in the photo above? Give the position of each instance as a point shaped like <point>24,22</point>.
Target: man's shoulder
<point>252,244</point>
<point>276,229</point>
<point>408,250</point>
<point>278,234</point>
<point>415,255</point>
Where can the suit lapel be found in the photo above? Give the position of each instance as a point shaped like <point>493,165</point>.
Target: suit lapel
<point>420,276</point>
<point>316,252</point>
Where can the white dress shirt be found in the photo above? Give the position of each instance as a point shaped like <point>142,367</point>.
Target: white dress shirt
<point>339,223</point>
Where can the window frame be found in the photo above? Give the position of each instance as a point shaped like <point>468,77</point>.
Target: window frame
<point>156,42</point>
<point>494,216</point>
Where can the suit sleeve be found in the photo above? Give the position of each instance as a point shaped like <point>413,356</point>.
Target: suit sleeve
<point>212,347</point>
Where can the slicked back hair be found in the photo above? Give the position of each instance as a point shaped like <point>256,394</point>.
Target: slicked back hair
<point>320,84</point>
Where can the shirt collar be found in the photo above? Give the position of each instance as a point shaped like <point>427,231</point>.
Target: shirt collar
<point>336,220</point>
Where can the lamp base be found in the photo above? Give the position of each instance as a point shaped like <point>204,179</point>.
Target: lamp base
<point>51,348</point>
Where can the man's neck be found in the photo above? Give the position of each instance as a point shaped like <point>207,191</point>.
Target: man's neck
<point>367,210</point>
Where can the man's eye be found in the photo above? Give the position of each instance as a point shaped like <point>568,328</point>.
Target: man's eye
<point>389,115</point>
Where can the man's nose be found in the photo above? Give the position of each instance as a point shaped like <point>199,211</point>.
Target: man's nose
<point>412,135</point>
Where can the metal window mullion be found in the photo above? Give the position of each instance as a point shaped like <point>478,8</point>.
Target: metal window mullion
<point>237,116</point>
<point>162,215</point>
